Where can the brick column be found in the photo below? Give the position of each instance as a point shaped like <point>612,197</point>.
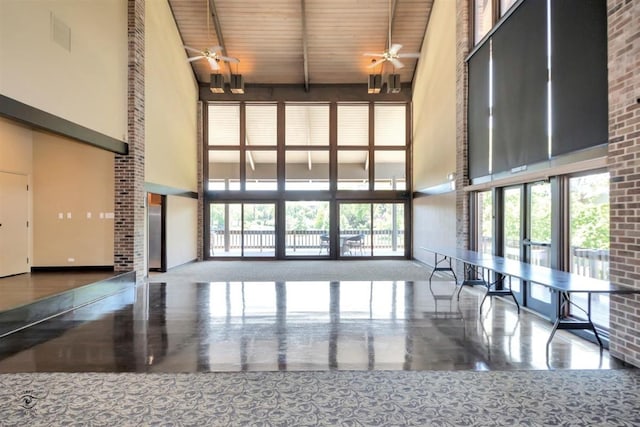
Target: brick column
<point>462,147</point>
<point>130,196</point>
<point>624,168</point>
<point>201,183</point>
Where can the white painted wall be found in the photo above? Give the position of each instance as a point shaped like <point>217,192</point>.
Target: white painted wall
<point>171,97</point>
<point>182,230</point>
<point>434,131</point>
<point>87,84</point>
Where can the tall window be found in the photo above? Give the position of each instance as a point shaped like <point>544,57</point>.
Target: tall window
<point>482,19</point>
<point>294,164</point>
<point>485,222</point>
<point>390,142</point>
<point>589,238</point>
<point>224,147</point>
<point>261,139</point>
<point>505,5</point>
<point>307,147</point>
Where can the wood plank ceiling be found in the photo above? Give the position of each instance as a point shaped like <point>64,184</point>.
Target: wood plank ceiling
<point>270,37</point>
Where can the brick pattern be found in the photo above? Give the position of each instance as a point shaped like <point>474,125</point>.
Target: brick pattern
<point>624,168</point>
<point>201,182</point>
<point>462,81</point>
<point>129,238</point>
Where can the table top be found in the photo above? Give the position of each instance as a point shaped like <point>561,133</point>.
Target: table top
<point>556,279</point>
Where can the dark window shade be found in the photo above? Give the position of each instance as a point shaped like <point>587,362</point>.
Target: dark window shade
<point>478,113</point>
<point>578,75</point>
<point>520,88</point>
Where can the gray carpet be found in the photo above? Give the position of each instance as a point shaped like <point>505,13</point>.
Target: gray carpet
<point>210,271</point>
<point>337,398</point>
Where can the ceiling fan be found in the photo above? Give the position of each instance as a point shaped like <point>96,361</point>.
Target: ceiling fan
<point>392,54</point>
<point>211,54</point>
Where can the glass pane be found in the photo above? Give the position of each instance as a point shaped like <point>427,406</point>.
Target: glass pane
<point>353,125</point>
<point>307,170</point>
<point>512,231</point>
<point>307,228</point>
<point>512,228</point>
<point>259,229</point>
<point>261,125</point>
<point>540,214</point>
<point>589,239</point>
<point>224,124</point>
<point>307,124</point>
<point>485,222</point>
<point>353,170</point>
<point>390,170</point>
<point>225,226</point>
<point>482,18</point>
<point>224,170</point>
<point>388,229</point>
<point>355,229</point>
<point>261,170</point>
<point>539,252</point>
<point>390,124</point>
<point>505,5</point>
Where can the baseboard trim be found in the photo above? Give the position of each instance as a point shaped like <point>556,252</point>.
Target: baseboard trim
<point>72,268</point>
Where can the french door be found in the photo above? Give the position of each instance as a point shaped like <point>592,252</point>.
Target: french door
<point>527,237</point>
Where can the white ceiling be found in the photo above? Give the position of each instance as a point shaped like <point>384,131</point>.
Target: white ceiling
<point>269,37</point>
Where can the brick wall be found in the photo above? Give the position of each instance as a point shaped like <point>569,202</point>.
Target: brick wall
<point>462,170</point>
<point>129,224</point>
<point>624,168</point>
<point>201,183</point>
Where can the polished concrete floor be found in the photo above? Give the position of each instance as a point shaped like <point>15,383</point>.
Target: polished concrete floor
<point>322,325</point>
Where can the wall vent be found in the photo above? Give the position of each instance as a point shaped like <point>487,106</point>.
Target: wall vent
<point>60,33</point>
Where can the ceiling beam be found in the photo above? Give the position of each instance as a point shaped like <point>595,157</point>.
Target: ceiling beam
<point>223,51</point>
<point>392,18</point>
<point>305,53</point>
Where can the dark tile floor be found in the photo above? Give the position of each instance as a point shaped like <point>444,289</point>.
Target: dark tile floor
<point>243,326</point>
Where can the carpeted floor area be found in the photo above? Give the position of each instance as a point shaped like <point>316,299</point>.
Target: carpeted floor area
<point>212,271</point>
<point>336,398</point>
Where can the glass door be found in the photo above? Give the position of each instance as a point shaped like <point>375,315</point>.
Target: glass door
<point>537,241</point>
<point>513,234</point>
<point>242,230</point>
<point>307,229</point>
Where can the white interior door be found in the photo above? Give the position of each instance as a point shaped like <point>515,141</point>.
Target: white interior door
<point>14,236</point>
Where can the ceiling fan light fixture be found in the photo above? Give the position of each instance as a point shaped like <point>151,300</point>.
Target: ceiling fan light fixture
<point>375,83</point>
<point>237,83</point>
<point>393,83</point>
<point>217,83</point>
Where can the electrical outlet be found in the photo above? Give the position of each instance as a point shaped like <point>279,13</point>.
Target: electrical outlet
<point>71,260</point>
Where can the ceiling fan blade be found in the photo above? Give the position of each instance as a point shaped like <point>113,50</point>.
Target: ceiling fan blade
<point>190,49</point>
<point>377,55</point>
<point>229,59</point>
<point>375,63</point>
<point>395,48</point>
<point>397,63</point>
<point>213,63</point>
<point>195,58</point>
<point>409,55</point>
<point>215,49</point>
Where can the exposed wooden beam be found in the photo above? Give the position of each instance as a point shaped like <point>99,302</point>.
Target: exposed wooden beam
<point>218,27</point>
<point>392,18</point>
<point>305,54</point>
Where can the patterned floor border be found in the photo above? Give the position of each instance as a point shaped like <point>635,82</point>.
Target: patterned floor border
<point>333,398</point>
